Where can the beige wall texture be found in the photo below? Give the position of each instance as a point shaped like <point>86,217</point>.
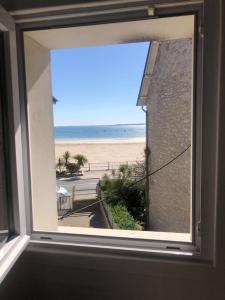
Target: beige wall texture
<point>40,122</point>
<point>169,133</point>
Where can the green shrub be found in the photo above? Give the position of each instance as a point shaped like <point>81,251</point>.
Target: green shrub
<point>65,165</point>
<point>125,171</point>
<point>72,168</point>
<point>122,191</point>
<point>122,217</point>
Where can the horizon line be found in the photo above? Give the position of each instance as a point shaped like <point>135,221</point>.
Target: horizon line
<point>123,124</point>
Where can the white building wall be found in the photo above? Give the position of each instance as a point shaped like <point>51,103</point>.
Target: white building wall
<point>41,138</point>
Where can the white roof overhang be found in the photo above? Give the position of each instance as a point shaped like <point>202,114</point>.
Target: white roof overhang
<point>149,67</point>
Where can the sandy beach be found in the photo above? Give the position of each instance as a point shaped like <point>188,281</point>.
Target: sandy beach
<point>103,150</point>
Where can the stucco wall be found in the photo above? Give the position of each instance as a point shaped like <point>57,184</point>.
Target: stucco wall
<point>40,122</point>
<point>169,130</point>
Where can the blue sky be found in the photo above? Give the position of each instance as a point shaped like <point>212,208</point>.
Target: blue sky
<point>98,85</point>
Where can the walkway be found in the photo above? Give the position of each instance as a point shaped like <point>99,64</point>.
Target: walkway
<point>85,195</point>
<point>89,217</point>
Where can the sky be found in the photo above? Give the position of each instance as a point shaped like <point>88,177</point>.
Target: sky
<point>98,85</point>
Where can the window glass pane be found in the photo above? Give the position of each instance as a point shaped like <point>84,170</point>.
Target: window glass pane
<point>110,128</point>
<point>4,226</point>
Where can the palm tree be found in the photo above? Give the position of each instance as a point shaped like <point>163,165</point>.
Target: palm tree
<point>59,164</point>
<point>81,159</point>
<point>66,156</point>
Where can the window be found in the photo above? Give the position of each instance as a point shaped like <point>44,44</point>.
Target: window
<point>13,233</point>
<point>4,221</point>
<point>4,213</point>
<point>153,195</point>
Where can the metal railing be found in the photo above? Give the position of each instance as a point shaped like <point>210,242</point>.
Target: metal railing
<point>79,193</point>
<point>64,203</point>
<point>106,166</point>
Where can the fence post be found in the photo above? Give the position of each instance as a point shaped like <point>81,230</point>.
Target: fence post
<point>108,165</point>
<point>89,167</point>
<point>73,196</point>
<point>98,191</point>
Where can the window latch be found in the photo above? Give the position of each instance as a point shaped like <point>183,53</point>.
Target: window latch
<point>198,227</point>
<point>151,11</point>
<point>201,30</point>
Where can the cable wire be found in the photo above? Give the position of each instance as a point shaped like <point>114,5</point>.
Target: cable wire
<point>78,210</point>
<point>133,183</point>
<point>162,167</point>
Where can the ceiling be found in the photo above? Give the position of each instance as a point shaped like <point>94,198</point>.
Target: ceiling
<point>29,4</point>
<point>12,5</point>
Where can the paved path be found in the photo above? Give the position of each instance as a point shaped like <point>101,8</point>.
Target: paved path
<point>89,217</point>
<point>85,194</point>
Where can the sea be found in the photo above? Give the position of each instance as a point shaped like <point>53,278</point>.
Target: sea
<point>125,131</point>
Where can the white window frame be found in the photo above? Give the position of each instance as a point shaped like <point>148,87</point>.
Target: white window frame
<point>148,236</point>
<point>204,231</point>
<point>19,239</point>
<point>38,19</point>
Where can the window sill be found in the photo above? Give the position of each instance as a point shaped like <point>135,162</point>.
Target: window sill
<point>148,243</point>
<point>146,235</point>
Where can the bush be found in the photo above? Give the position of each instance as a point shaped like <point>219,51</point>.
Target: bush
<point>112,190</point>
<point>122,191</point>
<point>72,168</point>
<point>59,174</point>
<point>122,218</point>
<point>64,164</point>
<point>125,171</point>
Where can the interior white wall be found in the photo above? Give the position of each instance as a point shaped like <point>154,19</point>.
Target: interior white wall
<point>41,139</point>
<point>53,272</point>
<point>115,33</point>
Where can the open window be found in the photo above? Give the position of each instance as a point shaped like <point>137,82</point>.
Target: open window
<point>4,218</point>
<point>149,199</point>
<point>13,234</point>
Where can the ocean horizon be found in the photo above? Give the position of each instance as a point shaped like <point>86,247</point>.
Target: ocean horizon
<point>88,132</point>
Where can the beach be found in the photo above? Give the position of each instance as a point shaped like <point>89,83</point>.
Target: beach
<point>103,150</point>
